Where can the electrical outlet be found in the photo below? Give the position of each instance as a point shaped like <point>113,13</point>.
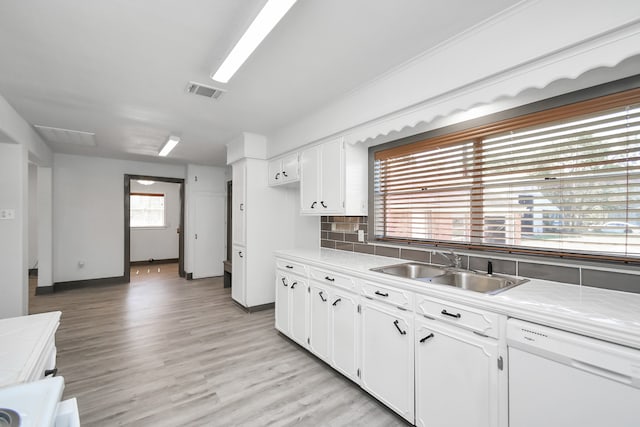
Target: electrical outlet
<point>360,235</point>
<point>7,213</point>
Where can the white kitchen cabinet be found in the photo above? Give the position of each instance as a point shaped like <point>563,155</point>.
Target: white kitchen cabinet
<point>292,306</point>
<point>239,202</point>
<point>261,225</point>
<point>298,309</point>
<point>284,170</point>
<point>319,306</point>
<point>387,370</point>
<point>238,274</point>
<point>456,376</point>
<point>282,303</point>
<point>345,325</point>
<point>333,179</point>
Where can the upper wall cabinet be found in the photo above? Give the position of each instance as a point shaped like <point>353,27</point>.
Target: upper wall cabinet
<point>284,170</point>
<point>333,179</point>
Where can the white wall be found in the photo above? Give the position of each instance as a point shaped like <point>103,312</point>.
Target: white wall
<point>529,46</point>
<point>88,214</point>
<point>21,132</point>
<point>33,216</point>
<point>45,226</point>
<point>14,283</point>
<point>158,243</point>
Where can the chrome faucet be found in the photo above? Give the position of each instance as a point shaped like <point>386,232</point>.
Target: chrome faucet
<point>455,260</point>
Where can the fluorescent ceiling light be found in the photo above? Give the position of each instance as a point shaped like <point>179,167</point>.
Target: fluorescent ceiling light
<point>171,142</point>
<point>145,182</point>
<point>268,17</point>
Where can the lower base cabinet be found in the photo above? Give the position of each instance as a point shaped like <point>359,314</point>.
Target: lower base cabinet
<point>387,370</point>
<point>456,376</point>
<point>344,333</point>
<point>291,307</point>
<point>319,321</point>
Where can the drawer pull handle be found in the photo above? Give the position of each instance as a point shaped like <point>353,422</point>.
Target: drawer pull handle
<point>395,322</point>
<point>322,297</point>
<point>427,338</point>
<point>331,279</point>
<point>284,282</point>
<point>293,285</point>
<point>53,372</point>
<point>381,294</point>
<point>446,313</point>
<point>336,301</point>
<point>289,266</point>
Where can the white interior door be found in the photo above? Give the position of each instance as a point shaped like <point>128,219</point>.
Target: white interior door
<point>209,217</point>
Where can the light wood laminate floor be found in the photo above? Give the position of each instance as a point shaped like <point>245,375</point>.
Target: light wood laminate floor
<point>164,351</point>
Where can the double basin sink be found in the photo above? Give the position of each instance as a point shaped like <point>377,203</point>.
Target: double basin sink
<point>463,279</point>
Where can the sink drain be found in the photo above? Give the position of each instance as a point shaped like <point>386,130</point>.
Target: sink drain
<point>9,418</point>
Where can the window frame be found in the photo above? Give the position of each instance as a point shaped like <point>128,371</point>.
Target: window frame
<point>586,101</point>
<point>164,211</point>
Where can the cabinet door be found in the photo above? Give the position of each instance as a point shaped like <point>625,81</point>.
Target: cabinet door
<point>298,310</point>
<point>309,181</point>
<point>332,177</point>
<point>282,303</point>
<point>456,377</point>
<point>275,172</point>
<point>344,333</point>
<point>319,321</point>
<point>238,276</point>
<point>290,168</point>
<point>239,202</point>
<point>387,356</point>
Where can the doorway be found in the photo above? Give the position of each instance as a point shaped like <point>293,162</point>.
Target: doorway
<point>127,219</point>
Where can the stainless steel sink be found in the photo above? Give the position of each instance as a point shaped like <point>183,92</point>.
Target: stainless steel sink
<point>463,279</point>
<point>411,270</point>
<point>478,282</point>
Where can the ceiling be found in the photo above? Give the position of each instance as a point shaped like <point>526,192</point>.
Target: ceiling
<point>119,68</point>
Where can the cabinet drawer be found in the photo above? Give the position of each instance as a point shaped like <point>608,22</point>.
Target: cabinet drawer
<point>291,267</point>
<point>480,321</point>
<point>397,297</point>
<point>331,278</point>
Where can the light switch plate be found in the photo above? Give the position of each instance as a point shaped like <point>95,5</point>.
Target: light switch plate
<point>7,213</point>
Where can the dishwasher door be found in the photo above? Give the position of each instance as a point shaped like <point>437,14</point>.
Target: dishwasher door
<point>557,378</point>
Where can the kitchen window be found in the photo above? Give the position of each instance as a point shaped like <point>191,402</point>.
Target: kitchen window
<point>147,210</point>
<point>563,181</point>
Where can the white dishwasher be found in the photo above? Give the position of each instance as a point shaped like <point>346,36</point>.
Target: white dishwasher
<point>557,378</point>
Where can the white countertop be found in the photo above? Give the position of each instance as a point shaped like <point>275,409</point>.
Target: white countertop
<point>22,341</point>
<point>600,313</point>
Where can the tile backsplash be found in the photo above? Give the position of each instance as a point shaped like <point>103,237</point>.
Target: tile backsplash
<point>341,232</point>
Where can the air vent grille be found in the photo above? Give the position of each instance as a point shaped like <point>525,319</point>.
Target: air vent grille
<point>203,90</point>
<point>66,136</point>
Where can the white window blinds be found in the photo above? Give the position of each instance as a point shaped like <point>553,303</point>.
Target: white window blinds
<point>569,186</point>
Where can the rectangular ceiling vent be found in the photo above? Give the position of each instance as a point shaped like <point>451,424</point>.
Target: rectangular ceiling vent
<point>206,91</point>
<point>66,136</point>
